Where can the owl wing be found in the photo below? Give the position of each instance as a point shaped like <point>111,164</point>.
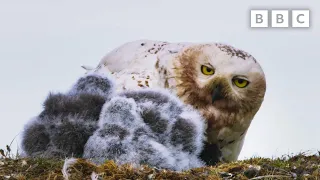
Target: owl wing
<point>133,64</point>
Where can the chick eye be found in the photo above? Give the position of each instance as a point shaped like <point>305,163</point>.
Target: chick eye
<point>206,70</point>
<point>241,83</point>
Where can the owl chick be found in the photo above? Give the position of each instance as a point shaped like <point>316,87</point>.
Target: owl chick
<point>227,85</point>
<point>148,127</point>
<point>68,120</point>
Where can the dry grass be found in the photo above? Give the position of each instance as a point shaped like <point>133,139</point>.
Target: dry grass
<point>299,166</point>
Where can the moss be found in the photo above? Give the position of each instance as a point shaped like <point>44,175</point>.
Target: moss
<point>300,166</point>
<point>31,168</point>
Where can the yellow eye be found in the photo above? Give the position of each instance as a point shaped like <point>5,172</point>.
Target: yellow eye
<point>206,70</point>
<point>241,83</point>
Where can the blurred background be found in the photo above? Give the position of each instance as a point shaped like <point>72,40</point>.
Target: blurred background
<point>44,43</point>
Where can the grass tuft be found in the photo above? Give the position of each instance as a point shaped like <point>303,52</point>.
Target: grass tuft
<point>299,166</point>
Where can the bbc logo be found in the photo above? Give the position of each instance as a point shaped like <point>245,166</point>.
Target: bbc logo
<point>280,18</point>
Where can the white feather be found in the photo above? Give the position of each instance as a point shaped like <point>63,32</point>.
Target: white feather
<point>137,62</point>
<point>66,165</point>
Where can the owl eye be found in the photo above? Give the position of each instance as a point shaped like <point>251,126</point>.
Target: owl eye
<point>206,70</point>
<point>241,83</point>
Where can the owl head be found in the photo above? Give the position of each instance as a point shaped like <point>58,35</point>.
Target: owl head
<point>226,84</point>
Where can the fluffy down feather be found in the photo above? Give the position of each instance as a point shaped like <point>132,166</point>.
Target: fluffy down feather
<point>68,120</point>
<point>139,127</point>
<point>148,127</point>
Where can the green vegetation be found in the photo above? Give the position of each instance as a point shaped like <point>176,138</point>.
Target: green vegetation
<point>300,166</point>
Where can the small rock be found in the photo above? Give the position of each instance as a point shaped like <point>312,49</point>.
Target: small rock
<point>256,167</point>
<point>252,171</point>
<point>157,170</point>
<point>94,176</point>
<point>225,175</point>
<point>294,175</point>
<point>150,176</point>
<point>24,163</point>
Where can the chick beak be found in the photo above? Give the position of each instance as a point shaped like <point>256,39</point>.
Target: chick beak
<point>216,93</point>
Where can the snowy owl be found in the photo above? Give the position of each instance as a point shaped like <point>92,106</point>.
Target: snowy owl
<point>227,85</point>
<point>92,121</point>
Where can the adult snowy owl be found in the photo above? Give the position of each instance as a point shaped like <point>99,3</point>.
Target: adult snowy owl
<point>227,85</point>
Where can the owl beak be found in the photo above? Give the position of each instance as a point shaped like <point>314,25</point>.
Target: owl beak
<point>216,93</point>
